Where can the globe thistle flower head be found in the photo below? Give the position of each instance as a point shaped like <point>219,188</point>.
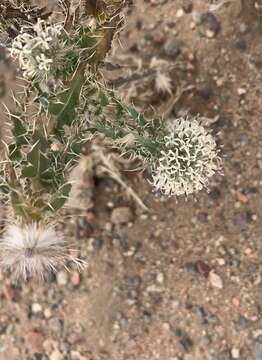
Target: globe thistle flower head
<point>38,49</point>
<point>187,161</point>
<point>33,251</point>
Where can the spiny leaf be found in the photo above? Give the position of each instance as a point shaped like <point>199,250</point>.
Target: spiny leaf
<point>64,110</point>
<point>18,130</point>
<point>61,198</point>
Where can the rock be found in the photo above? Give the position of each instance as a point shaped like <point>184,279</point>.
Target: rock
<point>175,304</point>
<point>55,325</point>
<point>62,278</point>
<point>257,351</point>
<point>158,2</point>
<point>211,22</point>
<point>186,342</point>
<point>56,355</point>
<point>47,313</point>
<point>243,28</point>
<point>180,13</point>
<point>215,280</point>
<point>121,215</point>
<point>196,16</point>
<point>171,48</point>
<point>235,353</point>
<point>75,278</point>
<point>160,278</point>
<point>203,268</point>
<point>34,342</point>
<point>224,355</point>
<point>257,333</point>
<point>241,44</point>
<point>36,308</point>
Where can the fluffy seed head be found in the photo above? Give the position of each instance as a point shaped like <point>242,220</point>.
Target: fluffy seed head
<point>33,250</point>
<point>37,49</point>
<point>189,158</point>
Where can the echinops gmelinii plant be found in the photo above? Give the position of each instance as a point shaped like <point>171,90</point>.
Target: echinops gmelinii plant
<point>65,100</point>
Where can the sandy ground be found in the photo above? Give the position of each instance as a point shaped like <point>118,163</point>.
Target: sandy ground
<point>184,281</point>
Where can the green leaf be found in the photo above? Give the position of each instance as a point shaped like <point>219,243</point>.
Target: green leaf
<point>64,110</point>
<point>29,171</point>
<point>87,41</point>
<point>19,131</point>
<point>103,99</point>
<point>61,198</point>
<point>13,152</point>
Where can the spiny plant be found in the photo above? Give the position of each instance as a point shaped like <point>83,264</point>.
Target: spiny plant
<point>64,100</point>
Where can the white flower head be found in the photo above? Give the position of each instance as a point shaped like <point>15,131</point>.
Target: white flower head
<point>188,160</point>
<point>37,49</point>
<point>33,250</point>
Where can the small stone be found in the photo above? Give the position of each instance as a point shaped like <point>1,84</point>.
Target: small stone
<point>224,355</point>
<point>55,325</point>
<point>243,28</point>
<point>47,313</point>
<point>202,268</point>
<point>211,22</point>
<point>241,44</point>
<point>210,34</point>
<point>160,278</point>
<point>75,278</point>
<point>171,48</point>
<point>257,333</point>
<point>121,215</point>
<point>180,13</point>
<point>95,244</point>
<point>34,342</point>
<point>235,353</point>
<point>56,355</point>
<point>186,342</point>
<point>196,16</point>
<point>215,280</point>
<point>62,278</point>
<point>36,308</point>
<point>257,351</point>
<point>241,91</point>
<point>235,302</point>
<point>175,304</point>
<point>166,326</point>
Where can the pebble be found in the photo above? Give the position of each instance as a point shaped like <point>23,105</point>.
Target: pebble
<point>224,355</point>
<point>55,325</point>
<point>47,313</point>
<point>257,351</point>
<point>34,342</point>
<point>215,280</point>
<point>241,91</point>
<point>257,333</point>
<point>36,308</point>
<point>75,278</point>
<point>235,353</point>
<point>160,278</point>
<point>175,304</point>
<point>56,355</point>
<point>196,16</point>
<point>180,13</point>
<point>243,28</point>
<point>171,48</point>
<point>121,215</point>
<point>62,278</point>
<point>212,24</point>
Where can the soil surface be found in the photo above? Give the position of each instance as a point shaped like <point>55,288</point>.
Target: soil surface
<point>183,281</point>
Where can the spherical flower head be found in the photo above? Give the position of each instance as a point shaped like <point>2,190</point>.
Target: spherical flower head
<point>187,161</point>
<point>38,49</point>
<point>33,251</point>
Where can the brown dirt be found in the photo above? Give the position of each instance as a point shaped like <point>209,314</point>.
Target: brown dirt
<point>149,292</point>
